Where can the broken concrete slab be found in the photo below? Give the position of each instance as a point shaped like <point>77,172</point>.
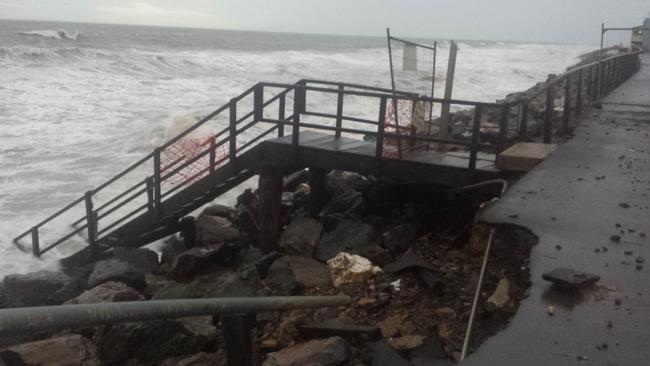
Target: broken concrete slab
<point>570,279</point>
<point>523,156</point>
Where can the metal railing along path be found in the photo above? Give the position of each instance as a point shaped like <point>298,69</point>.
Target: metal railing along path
<point>287,107</point>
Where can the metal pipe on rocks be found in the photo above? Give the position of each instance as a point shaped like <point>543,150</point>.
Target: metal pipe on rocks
<point>31,319</point>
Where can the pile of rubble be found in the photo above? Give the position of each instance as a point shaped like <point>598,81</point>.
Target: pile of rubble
<point>408,255</point>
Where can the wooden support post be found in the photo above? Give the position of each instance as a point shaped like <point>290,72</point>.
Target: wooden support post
<point>339,111</point>
<point>36,248</point>
<point>318,184</point>
<point>270,201</point>
<point>548,116</point>
<point>241,340</point>
<point>566,114</point>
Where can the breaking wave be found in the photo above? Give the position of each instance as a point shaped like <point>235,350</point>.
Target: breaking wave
<point>60,34</point>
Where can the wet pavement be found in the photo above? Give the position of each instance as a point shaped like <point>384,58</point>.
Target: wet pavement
<point>589,205</point>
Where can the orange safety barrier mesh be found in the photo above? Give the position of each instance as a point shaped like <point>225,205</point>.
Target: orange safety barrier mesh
<point>185,150</point>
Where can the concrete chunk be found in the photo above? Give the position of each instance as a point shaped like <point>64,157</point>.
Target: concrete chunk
<point>523,156</point>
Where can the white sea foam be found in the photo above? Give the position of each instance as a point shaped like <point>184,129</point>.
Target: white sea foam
<point>72,117</point>
<point>52,33</point>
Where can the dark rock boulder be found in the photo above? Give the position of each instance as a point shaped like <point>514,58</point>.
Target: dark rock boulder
<point>215,230</point>
<point>223,283</point>
<point>301,236</point>
<point>39,288</point>
<point>350,236</point>
<point>199,359</point>
<point>143,258</point>
<point>199,259</point>
<point>339,182</point>
<point>333,351</point>
<point>290,275</point>
<point>171,249</point>
<point>399,238</point>
<point>117,270</point>
<point>107,292</point>
<point>69,350</point>
<point>226,212</point>
<point>156,340</point>
<point>347,202</point>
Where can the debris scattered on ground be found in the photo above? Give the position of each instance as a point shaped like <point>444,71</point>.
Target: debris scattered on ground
<point>570,279</point>
<point>347,268</point>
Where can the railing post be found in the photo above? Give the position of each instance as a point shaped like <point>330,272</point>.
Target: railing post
<point>150,205</point>
<point>157,182</point>
<point>213,154</point>
<point>476,131</point>
<point>90,219</point>
<point>566,115</point>
<point>36,248</point>
<point>503,127</point>
<point>548,116</point>
<point>258,102</point>
<point>232,134</point>
<point>379,148</point>
<point>579,94</point>
<point>339,111</point>
<point>238,331</point>
<point>298,107</point>
<point>523,124</point>
<point>281,111</point>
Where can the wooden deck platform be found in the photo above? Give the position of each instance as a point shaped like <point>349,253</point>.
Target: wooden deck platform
<point>343,153</point>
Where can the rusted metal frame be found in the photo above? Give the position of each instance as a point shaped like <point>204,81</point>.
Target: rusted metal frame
<point>121,220</point>
<point>357,86</point>
<point>339,111</point>
<point>90,220</point>
<point>36,248</point>
<point>523,123</point>
<point>232,134</point>
<point>298,108</point>
<point>412,43</point>
<point>410,97</point>
<point>281,112</point>
<point>503,127</point>
<point>580,86</point>
<point>45,221</point>
<point>476,132</point>
<point>548,116</point>
<point>157,183</point>
<point>149,184</point>
<point>113,200</point>
<point>566,113</point>
<point>64,238</point>
<point>344,118</point>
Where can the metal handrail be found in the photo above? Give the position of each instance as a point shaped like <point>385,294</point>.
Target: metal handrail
<point>299,90</point>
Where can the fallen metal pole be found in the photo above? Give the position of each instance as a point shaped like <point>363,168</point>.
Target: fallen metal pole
<point>23,320</point>
<point>477,296</point>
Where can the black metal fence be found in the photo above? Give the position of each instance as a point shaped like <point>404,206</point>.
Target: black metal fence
<point>491,128</point>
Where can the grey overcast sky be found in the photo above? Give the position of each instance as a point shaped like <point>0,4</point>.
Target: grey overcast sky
<point>520,20</point>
